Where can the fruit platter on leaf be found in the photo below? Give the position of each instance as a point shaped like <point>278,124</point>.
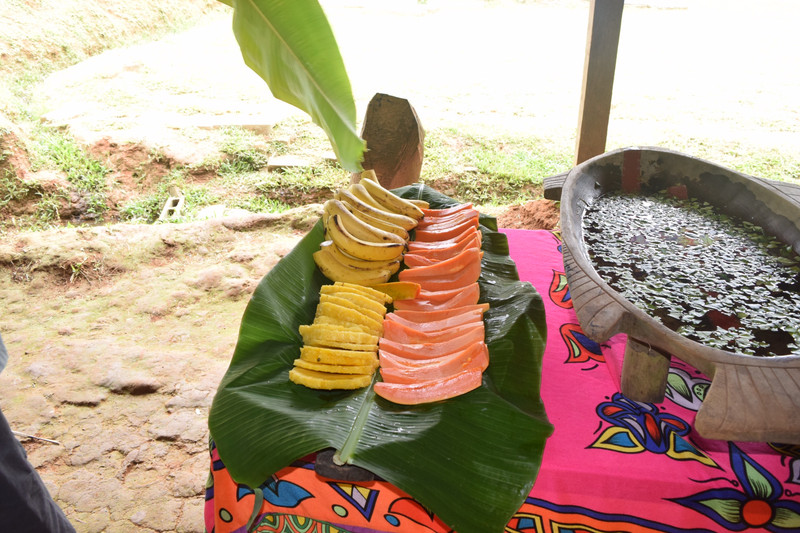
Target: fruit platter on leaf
<point>397,333</point>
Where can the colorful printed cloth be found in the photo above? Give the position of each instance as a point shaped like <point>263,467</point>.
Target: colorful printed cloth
<point>611,465</point>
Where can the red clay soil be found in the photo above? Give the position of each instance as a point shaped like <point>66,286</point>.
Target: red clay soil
<point>536,214</point>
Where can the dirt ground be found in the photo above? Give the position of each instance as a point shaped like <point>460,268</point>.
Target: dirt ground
<point>118,336</point>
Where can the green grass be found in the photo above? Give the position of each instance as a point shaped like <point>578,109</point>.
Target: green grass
<point>304,180</point>
<point>11,188</point>
<point>147,208</point>
<point>490,170</point>
<point>259,204</point>
<point>768,164</point>
<point>55,150</point>
<point>242,152</point>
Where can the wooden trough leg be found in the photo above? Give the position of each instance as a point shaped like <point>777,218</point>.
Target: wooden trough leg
<point>644,372</point>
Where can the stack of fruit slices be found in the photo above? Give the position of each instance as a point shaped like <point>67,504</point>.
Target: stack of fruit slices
<point>432,347</point>
<point>339,347</point>
<point>366,227</point>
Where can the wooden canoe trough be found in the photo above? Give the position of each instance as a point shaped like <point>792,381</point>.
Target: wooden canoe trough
<point>750,398</point>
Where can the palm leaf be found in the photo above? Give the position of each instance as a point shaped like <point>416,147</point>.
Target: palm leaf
<point>290,44</point>
<point>471,460</point>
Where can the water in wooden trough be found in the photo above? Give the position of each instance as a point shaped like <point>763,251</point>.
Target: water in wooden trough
<point>716,280</point>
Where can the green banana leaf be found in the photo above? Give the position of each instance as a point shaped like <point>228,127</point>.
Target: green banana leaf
<point>290,44</point>
<point>471,460</point>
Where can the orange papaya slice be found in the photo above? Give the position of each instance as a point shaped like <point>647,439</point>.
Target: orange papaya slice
<point>431,390</point>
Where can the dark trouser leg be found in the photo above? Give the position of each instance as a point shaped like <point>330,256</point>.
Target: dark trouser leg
<point>25,503</point>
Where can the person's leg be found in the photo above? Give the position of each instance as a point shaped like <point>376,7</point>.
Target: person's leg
<point>25,503</point>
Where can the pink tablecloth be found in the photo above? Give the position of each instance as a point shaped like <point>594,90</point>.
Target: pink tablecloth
<point>611,464</point>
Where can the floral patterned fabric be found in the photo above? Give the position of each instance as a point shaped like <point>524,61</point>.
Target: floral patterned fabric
<point>611,465</point>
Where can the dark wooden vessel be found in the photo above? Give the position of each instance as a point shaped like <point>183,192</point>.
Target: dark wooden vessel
<point>750,398</point>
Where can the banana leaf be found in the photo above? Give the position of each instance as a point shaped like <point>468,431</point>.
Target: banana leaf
<point>471,460</point>
<point>290,44</point>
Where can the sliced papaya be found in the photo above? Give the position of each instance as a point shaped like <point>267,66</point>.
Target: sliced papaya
<point>394,331</point>
<point>441,254</point>
<point>429,350</point>
<point>450,223</point>
<point>453,218</point>
<point>396,369</point>
<point>430,391</point>
<point>468,233</point>
<point>445,232</point>
<point>437,325</point>
<point>470,293</point>
<point>416,260</point>
<point>421,315</point>
<point>469,274</point>
<point>446,211</point>
<point>446,268</point>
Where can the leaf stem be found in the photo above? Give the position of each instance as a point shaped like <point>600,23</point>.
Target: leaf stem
<point>344,455</point>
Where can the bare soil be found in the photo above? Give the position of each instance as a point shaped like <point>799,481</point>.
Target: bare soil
<point>118,335</point>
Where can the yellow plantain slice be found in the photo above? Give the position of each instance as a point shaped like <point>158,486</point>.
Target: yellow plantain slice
<point>333,321</point>
<point>347,315</point>
<point>400,290</point>
<point>335,369</point>
<point>355,302</point>
<point>356,297</point>
<point>376,295</point>
<point>332,356</point>
<point>328,381</point>
<point>338,337</point>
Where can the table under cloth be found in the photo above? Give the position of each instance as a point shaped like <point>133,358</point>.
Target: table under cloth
<point>611,464</point>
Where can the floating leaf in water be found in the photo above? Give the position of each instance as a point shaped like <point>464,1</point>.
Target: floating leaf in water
<point>705,259</point>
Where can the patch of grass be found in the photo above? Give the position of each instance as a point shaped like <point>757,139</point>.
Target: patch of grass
<point>147,209</point>
<point>47,209</point>
<point>490,170</point>
<point>299,181</point>
<point>56,150</point>
<point>242,152</point>
<point>196,198</point>
<point>769,164</point>
<point>11,188</point>
<point>47,206</point>
<point>45,216</point>
<point>305,136</point>
<point>259,204</point>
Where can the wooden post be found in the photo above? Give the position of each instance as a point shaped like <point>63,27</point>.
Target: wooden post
<point>602,40</point>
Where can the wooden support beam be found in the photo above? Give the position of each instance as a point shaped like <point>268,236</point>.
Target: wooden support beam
<point>602,41</point>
